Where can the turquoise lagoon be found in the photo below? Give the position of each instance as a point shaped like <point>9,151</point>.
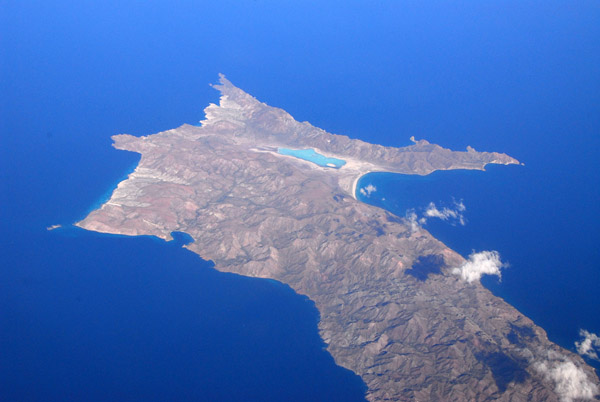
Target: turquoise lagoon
<point>312,156</point>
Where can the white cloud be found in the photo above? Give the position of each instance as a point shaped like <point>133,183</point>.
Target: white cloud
<point>478,264</point>
<point>366,191</point>
<point>432,211</point>
<point>411,216</point>
<point>589,346</point>
<point>571,381</point>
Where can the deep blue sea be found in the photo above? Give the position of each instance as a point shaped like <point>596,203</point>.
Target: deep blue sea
<point>85,316</point>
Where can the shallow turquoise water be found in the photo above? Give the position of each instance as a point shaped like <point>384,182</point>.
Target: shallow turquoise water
<point>312,156</point>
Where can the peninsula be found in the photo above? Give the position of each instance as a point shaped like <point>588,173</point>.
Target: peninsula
<point>258,212</point>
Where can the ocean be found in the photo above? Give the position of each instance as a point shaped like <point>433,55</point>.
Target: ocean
<point>85,316</point>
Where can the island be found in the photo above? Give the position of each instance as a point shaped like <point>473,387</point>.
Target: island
<point>411,333</point>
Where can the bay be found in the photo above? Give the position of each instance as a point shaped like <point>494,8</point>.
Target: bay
<point>552,274</point>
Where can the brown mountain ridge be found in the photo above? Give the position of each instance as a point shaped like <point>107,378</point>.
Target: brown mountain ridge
<point>411,333</point>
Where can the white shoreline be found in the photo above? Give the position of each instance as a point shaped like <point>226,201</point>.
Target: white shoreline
<point>355,183</point>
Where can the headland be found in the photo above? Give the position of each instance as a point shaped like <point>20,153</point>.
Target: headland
<point>257,213</point>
